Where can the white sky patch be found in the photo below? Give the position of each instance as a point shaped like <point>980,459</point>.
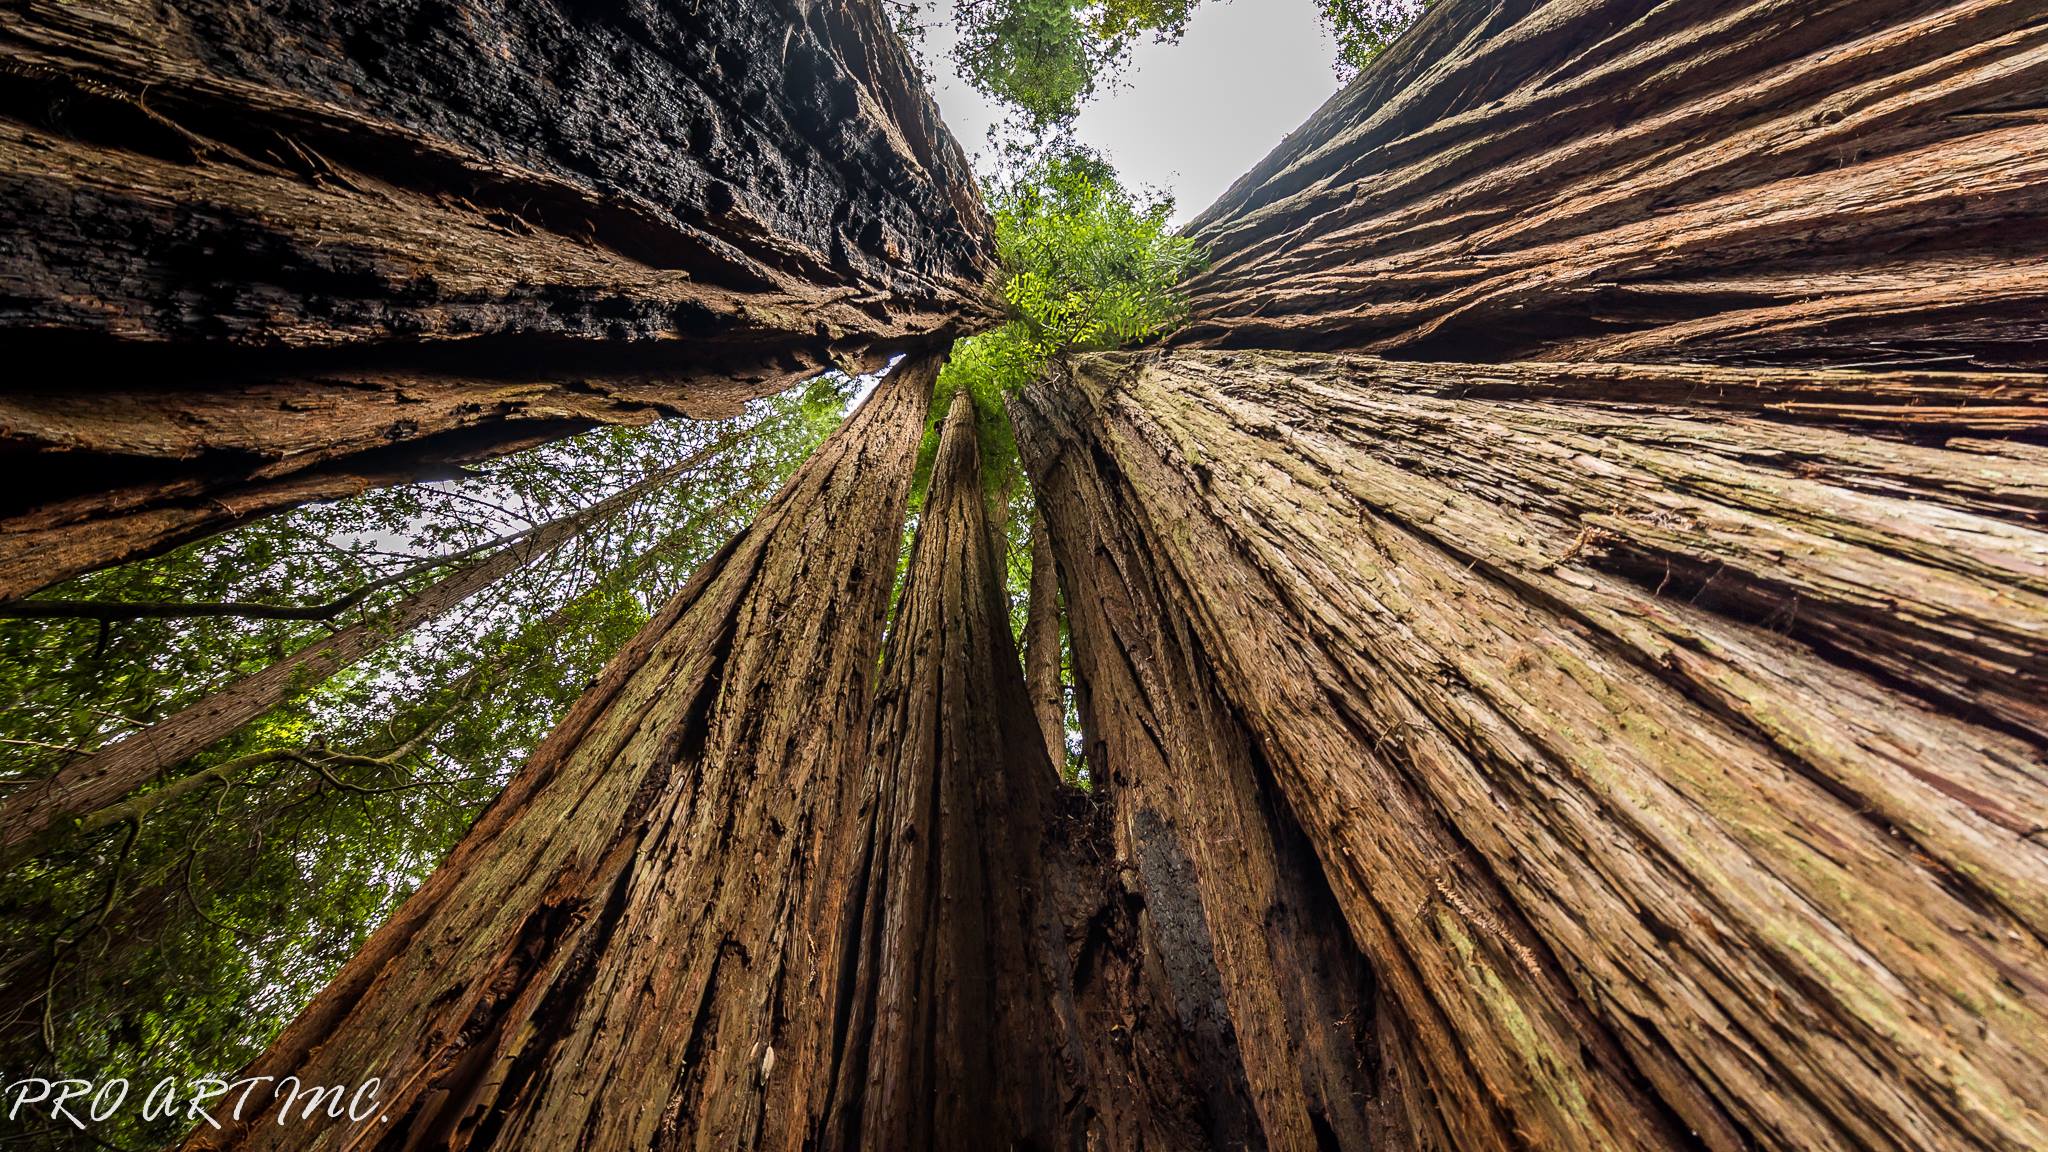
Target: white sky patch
<point>1191,117</point>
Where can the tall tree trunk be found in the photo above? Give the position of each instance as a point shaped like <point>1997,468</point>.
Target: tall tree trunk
<point>1669,735</point>
<point>1007,991</point>
<point>1677,773</point>
<point>35,818</point>
<point>656,906</point>
<point>1790,181</point>
<point>288,251</point>
<point>1043,654</point>
<point>961,1018</point>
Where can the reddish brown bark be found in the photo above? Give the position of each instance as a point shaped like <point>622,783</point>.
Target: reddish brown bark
<point>1791,181</point>
<point>1639,861</point>
<point>1261,964</point>
<point>1043,656</point>
<point>288,251</point>
<point>655,906</point>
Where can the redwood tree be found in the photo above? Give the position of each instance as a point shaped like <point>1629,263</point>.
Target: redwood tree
<point>657,903</point>
<point>1559,641</point>
<point>282,252</point>
<point>1668,733</point>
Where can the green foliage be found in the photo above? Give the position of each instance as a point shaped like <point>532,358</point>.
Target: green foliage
<point>1045,58</point>
<point>1088,266</point>
<point>1364,28</point>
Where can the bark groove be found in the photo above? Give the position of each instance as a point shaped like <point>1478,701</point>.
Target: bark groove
<point>1783,181</point>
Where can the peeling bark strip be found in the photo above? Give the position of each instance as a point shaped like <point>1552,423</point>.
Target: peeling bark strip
<point>1794,181</point>
<point>1595,829</point>
<point>33,820</point>
<point>287,250</point>
<point>639,944</point>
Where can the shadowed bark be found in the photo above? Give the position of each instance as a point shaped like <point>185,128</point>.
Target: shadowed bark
<point>285,252</point>
<point>1845,182</point>
<point>1679,774</point>
<point>655,905</point>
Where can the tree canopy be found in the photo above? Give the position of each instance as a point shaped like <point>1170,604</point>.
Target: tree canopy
<point>1088,265</point>
<point>1047,58</point>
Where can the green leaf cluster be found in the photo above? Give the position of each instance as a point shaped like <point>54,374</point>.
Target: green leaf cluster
<point>1088,265</point>
<point>1365,28</point>
<point>1045,58</point>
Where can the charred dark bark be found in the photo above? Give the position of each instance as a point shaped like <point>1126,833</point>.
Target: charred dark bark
<point>640,944</point>
<point>1822,182</point>
<point>286,251</point>
<point>1679,773</point>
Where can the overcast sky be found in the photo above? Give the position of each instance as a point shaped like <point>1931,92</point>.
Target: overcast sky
<point>1189,117</point>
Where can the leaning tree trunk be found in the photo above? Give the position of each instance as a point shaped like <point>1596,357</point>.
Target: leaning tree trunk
<point>35,819</point>
<point>639,945</point>
<point>283,252</point>
<point>1679,774</point>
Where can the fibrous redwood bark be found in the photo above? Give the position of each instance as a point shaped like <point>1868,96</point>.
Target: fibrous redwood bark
<point>286,251</point>
<point>1775,181</point>
<point>1043,657</point>
<point>1679,772</point>
<point>1005,990</point>
<point>639,945</point>
<point>34,817</point>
